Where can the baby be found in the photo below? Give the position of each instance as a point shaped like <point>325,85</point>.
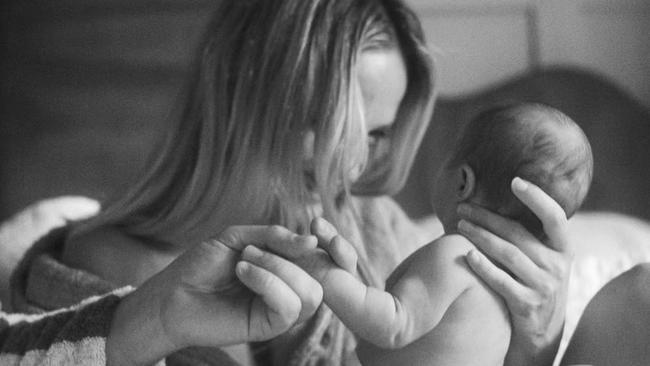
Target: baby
<point>434,310</point>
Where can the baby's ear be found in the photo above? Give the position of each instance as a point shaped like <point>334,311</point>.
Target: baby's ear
<point>466,183</point>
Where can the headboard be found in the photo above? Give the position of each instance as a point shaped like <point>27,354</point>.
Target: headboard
<point>617,126</point>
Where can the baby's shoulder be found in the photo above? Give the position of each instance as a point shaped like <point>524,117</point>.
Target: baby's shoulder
<point>454,243</point>
<point>447,247</point>
<point>444,259</point>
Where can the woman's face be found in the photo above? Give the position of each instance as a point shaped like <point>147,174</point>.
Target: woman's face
<point>382,79</point>
<point>381,76</point>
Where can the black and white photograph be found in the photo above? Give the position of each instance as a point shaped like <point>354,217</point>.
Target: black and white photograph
<point>325,182</point>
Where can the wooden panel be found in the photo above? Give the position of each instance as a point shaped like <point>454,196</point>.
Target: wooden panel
<point>478,43</point>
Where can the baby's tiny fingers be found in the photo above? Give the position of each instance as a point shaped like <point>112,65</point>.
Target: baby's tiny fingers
<point>343,254</point>
<point>323,230</point>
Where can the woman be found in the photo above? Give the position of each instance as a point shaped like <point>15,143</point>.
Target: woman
<point>295,106</point>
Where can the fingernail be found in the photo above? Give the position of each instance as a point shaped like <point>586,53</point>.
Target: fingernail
<point>473,256</point>
<point>252,251</point>
<point>320,224</point>
<point>242,267</point>
<point>463,209</point>
<point>519,184</point>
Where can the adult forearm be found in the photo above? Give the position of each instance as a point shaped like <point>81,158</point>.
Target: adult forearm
<point>529,354</point>
<point>137,336</point>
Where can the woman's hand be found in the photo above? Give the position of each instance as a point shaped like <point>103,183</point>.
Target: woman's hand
<point>531,276</point>
<point>198,301</point>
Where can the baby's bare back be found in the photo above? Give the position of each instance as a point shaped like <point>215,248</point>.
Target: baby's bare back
<point>475,329</point>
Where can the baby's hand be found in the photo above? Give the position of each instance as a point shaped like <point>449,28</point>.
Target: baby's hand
<point>341,252</point>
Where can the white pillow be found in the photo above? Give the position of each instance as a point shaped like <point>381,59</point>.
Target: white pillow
<point>605,245</point>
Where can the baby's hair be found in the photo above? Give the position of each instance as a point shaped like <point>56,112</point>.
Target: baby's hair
<point>532,141</point>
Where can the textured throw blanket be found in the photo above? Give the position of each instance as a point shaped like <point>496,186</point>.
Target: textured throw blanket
<point>71,336</point>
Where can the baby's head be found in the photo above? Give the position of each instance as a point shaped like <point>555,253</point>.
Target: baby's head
<point>532,141</point>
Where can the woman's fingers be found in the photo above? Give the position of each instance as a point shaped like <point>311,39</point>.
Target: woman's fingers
<point>536,314</point>
<point>512,231</point>
<point>498,280</point>
<point>275,238</point>
<point>277,306</point>
<point>207,266</point>
<point>548,211</point>
<point>508,230</point>
<point>536,291</point>
<point>503,252</point>
<point>304,286</point>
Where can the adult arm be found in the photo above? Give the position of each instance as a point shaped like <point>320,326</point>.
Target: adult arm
<point>535,284</point>
<point>199,300</point>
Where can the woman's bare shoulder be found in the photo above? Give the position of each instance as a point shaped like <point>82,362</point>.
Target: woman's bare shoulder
<point>115,256</point>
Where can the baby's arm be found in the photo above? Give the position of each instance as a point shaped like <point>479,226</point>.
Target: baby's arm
<point>370,313</point>
<point>421,290</point>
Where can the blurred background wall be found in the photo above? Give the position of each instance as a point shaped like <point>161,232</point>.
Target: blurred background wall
<point>88,85</point>
<point>588,58</point>
<point>86,88</point>
<point>477,43</point>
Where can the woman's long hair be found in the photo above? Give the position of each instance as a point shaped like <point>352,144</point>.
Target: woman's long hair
<point>270,71</point>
